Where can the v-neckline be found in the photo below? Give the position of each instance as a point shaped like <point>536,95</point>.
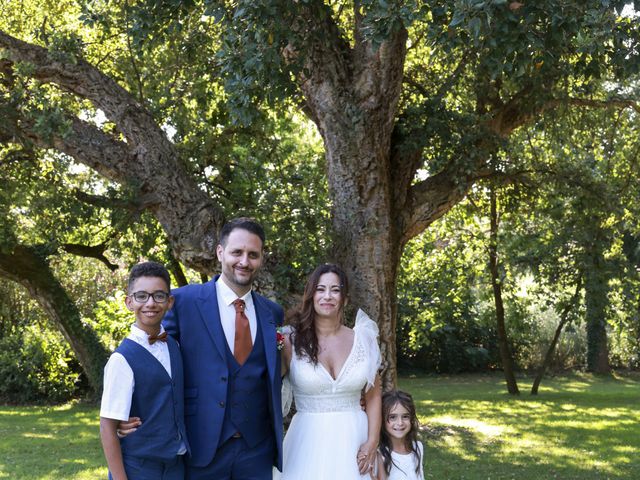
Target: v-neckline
<point>346,360</point>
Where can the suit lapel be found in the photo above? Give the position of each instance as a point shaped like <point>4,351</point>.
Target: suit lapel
<point>210,314</point>
<point>267,322</point>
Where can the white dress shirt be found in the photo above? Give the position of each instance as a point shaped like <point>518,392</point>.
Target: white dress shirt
<point>226,297</point>
<point>118,376</point>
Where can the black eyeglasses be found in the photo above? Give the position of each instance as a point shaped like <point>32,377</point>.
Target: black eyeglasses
<point>158,296</point>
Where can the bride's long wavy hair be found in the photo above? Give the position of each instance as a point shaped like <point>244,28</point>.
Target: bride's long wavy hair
<point>389,400</point>
<point>302,318</point>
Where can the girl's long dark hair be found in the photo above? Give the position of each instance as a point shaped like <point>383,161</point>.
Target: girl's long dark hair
<point>390,400</point>
<point>302,318</point>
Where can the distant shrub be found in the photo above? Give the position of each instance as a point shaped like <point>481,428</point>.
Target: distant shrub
<point>36,366</point>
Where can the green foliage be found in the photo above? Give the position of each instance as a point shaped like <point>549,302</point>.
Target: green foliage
<point>36,366</point>
<point>385,17</point>
<point>206,70</point>
<point>64,47</point>
<point>439,305</point>
<point>112,320</point>
<point>624,321</point>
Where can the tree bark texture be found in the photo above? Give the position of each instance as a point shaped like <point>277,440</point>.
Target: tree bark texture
<point>596,301</point>
<point>496,282</point>
<point>26,266</point>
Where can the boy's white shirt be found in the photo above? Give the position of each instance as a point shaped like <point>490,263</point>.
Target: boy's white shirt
<point>118,384</point>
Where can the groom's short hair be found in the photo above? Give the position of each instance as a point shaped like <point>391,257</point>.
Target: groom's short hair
<point>245,223</point>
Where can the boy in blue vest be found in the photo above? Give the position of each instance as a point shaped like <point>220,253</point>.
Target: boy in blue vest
<point>143,378</point>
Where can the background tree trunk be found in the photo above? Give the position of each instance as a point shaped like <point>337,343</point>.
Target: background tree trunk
<point>596,300</point>
<point>564,319</point>
<point>29,267</point>
<point>352,95</point>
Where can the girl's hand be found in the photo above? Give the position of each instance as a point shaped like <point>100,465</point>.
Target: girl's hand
<point>366,457</point>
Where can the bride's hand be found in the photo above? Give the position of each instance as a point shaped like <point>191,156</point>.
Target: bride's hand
<point>366,457</point>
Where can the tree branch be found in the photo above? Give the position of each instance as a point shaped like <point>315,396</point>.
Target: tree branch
<point>90,251</point>
<point>148,163</point>
<point>87,144</point>
<point>83,79</point>
<point>26,265</point>
<point>135,206</point>
<point>516,112</point>
<point>431,198</point>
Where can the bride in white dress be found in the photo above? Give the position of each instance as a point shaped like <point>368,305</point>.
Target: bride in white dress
<point>329,365</point>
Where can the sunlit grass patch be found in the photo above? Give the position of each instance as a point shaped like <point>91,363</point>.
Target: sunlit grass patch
<point>578,427</point>
<point>59,442</point>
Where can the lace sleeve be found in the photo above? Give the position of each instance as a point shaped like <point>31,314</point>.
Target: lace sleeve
<point>287,390</point>
<point>368,331</point>
<point>287,395</point>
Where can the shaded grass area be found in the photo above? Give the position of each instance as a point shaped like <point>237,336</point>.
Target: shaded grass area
<point>59,442</point>
<point>579,427</point>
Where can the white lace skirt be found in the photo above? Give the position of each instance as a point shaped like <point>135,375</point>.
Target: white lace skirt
<point>324,446</point>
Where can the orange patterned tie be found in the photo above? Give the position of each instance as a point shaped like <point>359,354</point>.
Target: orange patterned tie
<point>242,344</point>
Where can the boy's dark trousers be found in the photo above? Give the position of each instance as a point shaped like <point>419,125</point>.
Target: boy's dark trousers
<point>144,469</point>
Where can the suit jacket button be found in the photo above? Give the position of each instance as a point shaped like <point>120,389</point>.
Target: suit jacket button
<point>224,379</point>
<point>222,404</point>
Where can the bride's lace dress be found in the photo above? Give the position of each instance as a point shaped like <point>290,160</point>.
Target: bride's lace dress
<point>329,425</point>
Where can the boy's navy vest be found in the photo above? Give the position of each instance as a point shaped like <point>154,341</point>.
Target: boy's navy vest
<point>247,410</point>
<point>159,402</point>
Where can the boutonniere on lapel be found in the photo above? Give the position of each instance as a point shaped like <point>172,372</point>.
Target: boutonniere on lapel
<point>279,338</point>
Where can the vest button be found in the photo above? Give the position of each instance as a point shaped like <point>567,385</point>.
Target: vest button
<point>221,404</point>
<point>224,379</point>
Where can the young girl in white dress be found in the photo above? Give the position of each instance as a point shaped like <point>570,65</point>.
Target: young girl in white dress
<point>400,452</point>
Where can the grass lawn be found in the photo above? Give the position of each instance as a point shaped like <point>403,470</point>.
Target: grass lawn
<point>579,427</point>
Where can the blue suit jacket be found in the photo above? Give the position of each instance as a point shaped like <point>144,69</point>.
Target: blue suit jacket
<point>194,321</point>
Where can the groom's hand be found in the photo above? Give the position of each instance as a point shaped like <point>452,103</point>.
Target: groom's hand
<point>128,426</point>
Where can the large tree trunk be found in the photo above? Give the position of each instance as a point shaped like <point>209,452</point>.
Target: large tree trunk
<point>596,300</point>
<point>367,243</point>
<point>352,96</point>
<point>496,282</point>
<point>372,263</point>
<point>27,267</point>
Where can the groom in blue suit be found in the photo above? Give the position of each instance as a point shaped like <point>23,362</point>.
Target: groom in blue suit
<point>227,334</point>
